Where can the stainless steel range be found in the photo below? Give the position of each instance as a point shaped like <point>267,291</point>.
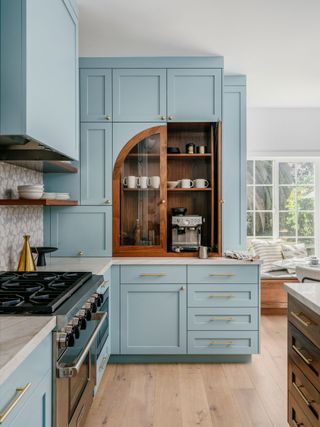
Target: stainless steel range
<point>80,303</point>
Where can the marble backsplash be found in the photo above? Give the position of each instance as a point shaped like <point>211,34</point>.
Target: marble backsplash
<point>19,220</point>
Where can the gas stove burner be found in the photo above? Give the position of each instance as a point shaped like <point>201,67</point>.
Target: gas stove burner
<point>42,297</point>
<point>70,275</point>
<point>25,287</point>
<point>10,300</point>
<point>40,276</point>
<point>6,277</point>
<point>58,285</point>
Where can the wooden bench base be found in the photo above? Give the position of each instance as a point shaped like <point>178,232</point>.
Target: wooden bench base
<point>274,299</point>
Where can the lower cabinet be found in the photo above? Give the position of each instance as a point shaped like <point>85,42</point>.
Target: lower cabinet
<point>81,230</point>
<point>153,319</point>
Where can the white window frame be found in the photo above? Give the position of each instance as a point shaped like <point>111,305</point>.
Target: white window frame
<point>275,194</point>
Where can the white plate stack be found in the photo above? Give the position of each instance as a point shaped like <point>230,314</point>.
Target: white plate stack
<point>30,191</point>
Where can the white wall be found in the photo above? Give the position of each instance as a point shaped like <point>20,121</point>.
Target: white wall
<point>283,131</point>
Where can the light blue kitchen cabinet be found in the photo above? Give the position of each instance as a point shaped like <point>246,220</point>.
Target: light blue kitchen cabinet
<point>96,95</point>
<point>223,342</point>
<point>194,95</point>
<point>39,73</point>
<point>81,230</point>
<point>139,95</point>
<point>96,163</point>
<point>32,381</point>
<point>234,153</point>
<point>153,319</point>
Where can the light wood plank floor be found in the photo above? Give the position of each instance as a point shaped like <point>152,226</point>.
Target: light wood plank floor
<point>180,395</point>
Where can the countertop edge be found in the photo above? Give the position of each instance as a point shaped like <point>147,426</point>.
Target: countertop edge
<point>290,289</point>
<point>13,364</point>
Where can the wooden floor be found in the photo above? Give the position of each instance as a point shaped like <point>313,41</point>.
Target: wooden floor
<point>180,395</point>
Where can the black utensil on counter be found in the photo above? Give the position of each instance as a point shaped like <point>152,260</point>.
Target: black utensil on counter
<point>41,251</point>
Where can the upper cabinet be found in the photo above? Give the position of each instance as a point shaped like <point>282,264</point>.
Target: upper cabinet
<point>139,95</point>
<point>96,95</point>
<point>39,72</point>
<point>194,95</point>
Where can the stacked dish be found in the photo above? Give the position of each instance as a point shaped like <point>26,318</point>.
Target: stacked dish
<point>56,196</point>
<point>30,191</point>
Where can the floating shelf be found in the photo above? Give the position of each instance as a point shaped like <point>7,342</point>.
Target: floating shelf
<point>39,202</point>
<point>45,166</point>
<point>186,156</point>
<point>188,189</point>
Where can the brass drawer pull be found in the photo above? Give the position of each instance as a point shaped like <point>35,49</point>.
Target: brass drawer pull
<point>227,318</point>
<point>305,322</point>
<point>297,424</point>
<point>221,296</point>
<point>20,391</point>
<point>224,343</point>
<point>103,363</point>
<point>152,275</point>
<point>303,397</point>
<point>221,275</point>
<point>308,360</point>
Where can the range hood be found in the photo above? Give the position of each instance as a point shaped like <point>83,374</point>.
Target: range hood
<point>24,148</point>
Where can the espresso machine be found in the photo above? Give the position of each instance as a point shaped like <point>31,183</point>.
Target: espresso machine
<point>185,231</point>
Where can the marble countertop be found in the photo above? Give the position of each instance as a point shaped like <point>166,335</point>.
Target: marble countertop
<point>307,293</point>
<point>19,336</point>
<point>101,265</point>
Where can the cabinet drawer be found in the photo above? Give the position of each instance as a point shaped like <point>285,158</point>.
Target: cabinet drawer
<point>223,296</point>
<point>304,354</point>
<point>304,319</point>
<point>296,416</point>
<point>153,274</point>
<point>304,393</point>
<point>26,378</point>
<point>222,342</point>
<point>223,274</point>
<point>222,319</point>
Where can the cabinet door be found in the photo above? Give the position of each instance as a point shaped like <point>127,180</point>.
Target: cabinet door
<point>234,168</point>
<point>81,230</point>
<point>96,163</point>
<point>139,95</point>
<point>194,95</point>
<point>96,95</point>
<point>37,412</point>
<point>153,319</point>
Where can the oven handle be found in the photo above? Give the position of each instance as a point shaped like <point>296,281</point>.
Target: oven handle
<point>72,371</point>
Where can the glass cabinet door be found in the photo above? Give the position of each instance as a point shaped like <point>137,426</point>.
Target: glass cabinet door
<point>141,183</point>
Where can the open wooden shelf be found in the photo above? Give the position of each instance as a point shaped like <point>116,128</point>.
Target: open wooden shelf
<point>39,202</point>
<point>186,156</point>
<point>188,189</point>
<point>141,189</point>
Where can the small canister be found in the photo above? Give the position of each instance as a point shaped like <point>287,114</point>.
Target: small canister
<point>190,148</point>
<point>203,252</point>
<point>201,149</point>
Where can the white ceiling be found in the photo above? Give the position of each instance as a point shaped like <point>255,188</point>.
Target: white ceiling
<point>275,42</point>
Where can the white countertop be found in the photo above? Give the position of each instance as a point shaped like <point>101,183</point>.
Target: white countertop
<point>101,265</point>
<point>19,336</point>
<point>307,293</point>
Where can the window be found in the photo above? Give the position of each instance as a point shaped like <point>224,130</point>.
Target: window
<point>281,199</point>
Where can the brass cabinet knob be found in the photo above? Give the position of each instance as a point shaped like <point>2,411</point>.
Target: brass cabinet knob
<point>81,253</point>
<point>108,118</point>
<point>222,201</point>
<point>170,117</point>
<point>163,202</point>
<point>163,117</point>
<point>183,288</point>
<point>108,202</point>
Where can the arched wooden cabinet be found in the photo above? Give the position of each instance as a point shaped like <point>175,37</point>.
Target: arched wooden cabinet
<point>142,203</point>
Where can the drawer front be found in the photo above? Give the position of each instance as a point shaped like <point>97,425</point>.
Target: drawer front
<point>25,379</point>
<point>223,342</point>
<point>153,274</point>
<point>223,274</point>
<point>304,393</point>
<point>304,319</point>
<point>223,296</point>
<point>304,354</point>
<point>102,362</point>
<point>222,319</point>
<point>296,416</point>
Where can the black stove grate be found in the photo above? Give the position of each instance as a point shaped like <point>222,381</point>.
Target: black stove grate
<point>38,292</point>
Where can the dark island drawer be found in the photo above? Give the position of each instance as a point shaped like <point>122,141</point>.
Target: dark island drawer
<point>304,354</point>
<point>304,393</point>
<point>304,319</point>
<point>296,416</point>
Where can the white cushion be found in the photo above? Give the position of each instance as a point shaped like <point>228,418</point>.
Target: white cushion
<point>269,251</point>
<point>294,251</point>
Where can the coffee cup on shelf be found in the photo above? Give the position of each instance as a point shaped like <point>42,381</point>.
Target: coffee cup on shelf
<point>186,183</point>
<point>130,181</point>
<point>154,182</point>
<point>200,183</point>
<point>143,181</point>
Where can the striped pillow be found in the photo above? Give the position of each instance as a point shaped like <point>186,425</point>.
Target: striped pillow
<point>269,251</point>
<point>294,251</point>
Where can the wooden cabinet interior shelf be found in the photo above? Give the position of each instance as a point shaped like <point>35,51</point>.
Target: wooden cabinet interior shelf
<point>190,156</point>
<point>188,189</point>
<point>39,202</point>
<point>141,189</point>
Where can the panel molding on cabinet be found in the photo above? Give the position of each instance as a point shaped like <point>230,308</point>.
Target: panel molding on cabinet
<point>139,95</point>
<point>81,230</point>
<point>96,163</point>
<point>96,95</point>
<point>194,94</point>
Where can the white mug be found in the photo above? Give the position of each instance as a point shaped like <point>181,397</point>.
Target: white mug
<point>186,183</point>
<point>143,181</point>
<point>130,181</point>
<point>154,181</point>
<point>200,183</point>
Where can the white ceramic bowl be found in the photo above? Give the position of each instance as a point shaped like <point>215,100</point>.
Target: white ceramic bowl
<point>172,184</point>
<point>32,196</point>
<point>30,187</point>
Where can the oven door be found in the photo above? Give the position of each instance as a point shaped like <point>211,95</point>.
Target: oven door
<point>76,376</point>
